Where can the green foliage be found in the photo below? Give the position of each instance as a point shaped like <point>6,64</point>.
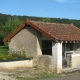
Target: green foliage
<point>1,40</point>
<point>35,66</point>
<point>48,75</point>
<point>11,25</point>
<point>12,56</point>
<point>41,75</point>
<point>46,20</point>
<point>5,55</point>
<point>3,50</point>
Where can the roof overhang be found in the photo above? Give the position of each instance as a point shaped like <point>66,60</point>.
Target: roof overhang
<point>28,22</point>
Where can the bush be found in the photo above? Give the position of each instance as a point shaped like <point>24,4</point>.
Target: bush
<point>12,56</point>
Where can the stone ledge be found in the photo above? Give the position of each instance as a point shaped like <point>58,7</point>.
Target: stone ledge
<point>68,70</point>
<point>16,64</point>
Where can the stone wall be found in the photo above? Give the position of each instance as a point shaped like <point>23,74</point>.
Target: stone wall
<point>44,61</point>
<point>75,61</point>
<point>16,64</point>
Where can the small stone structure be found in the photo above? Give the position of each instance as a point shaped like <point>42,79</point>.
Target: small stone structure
<point>31,34</point>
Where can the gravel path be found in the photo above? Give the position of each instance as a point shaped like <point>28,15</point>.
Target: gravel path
<point>4,76</point>
<point>35,73</point>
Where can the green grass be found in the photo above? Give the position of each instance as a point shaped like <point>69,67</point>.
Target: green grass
<point>40,76</point>
<point>3,50</point>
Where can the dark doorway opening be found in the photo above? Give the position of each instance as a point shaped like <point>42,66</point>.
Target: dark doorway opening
<point>47,47</point>
<point>66,54</point>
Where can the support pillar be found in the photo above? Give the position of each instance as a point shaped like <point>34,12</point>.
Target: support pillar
<point>57,56</point>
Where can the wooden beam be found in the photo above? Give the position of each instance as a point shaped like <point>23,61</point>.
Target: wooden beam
<point>70,41</point>
<point>77,41</point>
<point>74,41</point>
<point>62,41</point>
<point>66,41</point>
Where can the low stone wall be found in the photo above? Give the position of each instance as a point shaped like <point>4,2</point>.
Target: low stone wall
<point>16,64</point>
<point>44,61</point>
<point>75,62</point>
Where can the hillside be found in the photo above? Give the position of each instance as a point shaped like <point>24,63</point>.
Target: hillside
<point>4,18</point>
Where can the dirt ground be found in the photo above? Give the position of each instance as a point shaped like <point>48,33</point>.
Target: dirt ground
<point>26,73</point>
<point>22,74</point>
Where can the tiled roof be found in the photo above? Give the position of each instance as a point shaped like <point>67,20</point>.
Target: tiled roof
<point>65,32</point>
<point>55,31</point>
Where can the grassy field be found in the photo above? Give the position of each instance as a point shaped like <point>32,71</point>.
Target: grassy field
<point>3,50</point>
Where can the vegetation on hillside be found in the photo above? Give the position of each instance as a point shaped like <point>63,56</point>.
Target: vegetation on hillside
<point>3,50</point>
<point>9,23</point>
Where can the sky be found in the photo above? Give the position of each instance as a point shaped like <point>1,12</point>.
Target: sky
<point>69,9</point>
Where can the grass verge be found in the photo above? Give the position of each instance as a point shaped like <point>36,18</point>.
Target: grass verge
<point>33,74</point>
<point>3,50</point>
<point>39,73</point>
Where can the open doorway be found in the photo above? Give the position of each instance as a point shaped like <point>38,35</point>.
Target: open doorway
<point>67,50</point>
<point>47,47</point>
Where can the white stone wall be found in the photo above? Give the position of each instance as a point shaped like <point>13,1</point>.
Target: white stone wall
<point>16,64</point>
<point>75,60</point>
<point>57,55</point>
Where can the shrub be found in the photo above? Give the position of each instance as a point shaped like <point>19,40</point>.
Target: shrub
<point>17,54</point>
<point>12,56</point>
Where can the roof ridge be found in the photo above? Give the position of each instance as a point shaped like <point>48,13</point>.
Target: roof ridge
<point>50,22</point>
<point>76,27</point>
<point>58,31</point>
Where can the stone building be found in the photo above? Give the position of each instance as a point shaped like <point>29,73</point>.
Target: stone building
<point>56,46</point>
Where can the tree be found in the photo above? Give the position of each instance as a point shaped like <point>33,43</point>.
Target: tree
<point>11,24</point>
<point>46,20</point>
<point>1,39</point>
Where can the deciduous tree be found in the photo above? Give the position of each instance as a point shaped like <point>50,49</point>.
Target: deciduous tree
<point>11,25</point>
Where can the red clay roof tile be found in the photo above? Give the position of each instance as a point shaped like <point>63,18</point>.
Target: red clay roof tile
<point>55,31</point>
<point>63,32</point>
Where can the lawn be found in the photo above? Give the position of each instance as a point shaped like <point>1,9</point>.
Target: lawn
<point>5,56</point>
<point>3,50</point>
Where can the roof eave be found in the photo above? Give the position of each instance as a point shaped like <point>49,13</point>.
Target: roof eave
<point>42,31</point>
<point>14,33</point>
<point>27,22</point>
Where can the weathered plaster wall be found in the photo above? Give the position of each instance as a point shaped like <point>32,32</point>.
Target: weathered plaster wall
<point>53,62</point>
<point>44,61</point>
<point>26,39</point>
<point>39,43</point>
<point>75,61</point>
